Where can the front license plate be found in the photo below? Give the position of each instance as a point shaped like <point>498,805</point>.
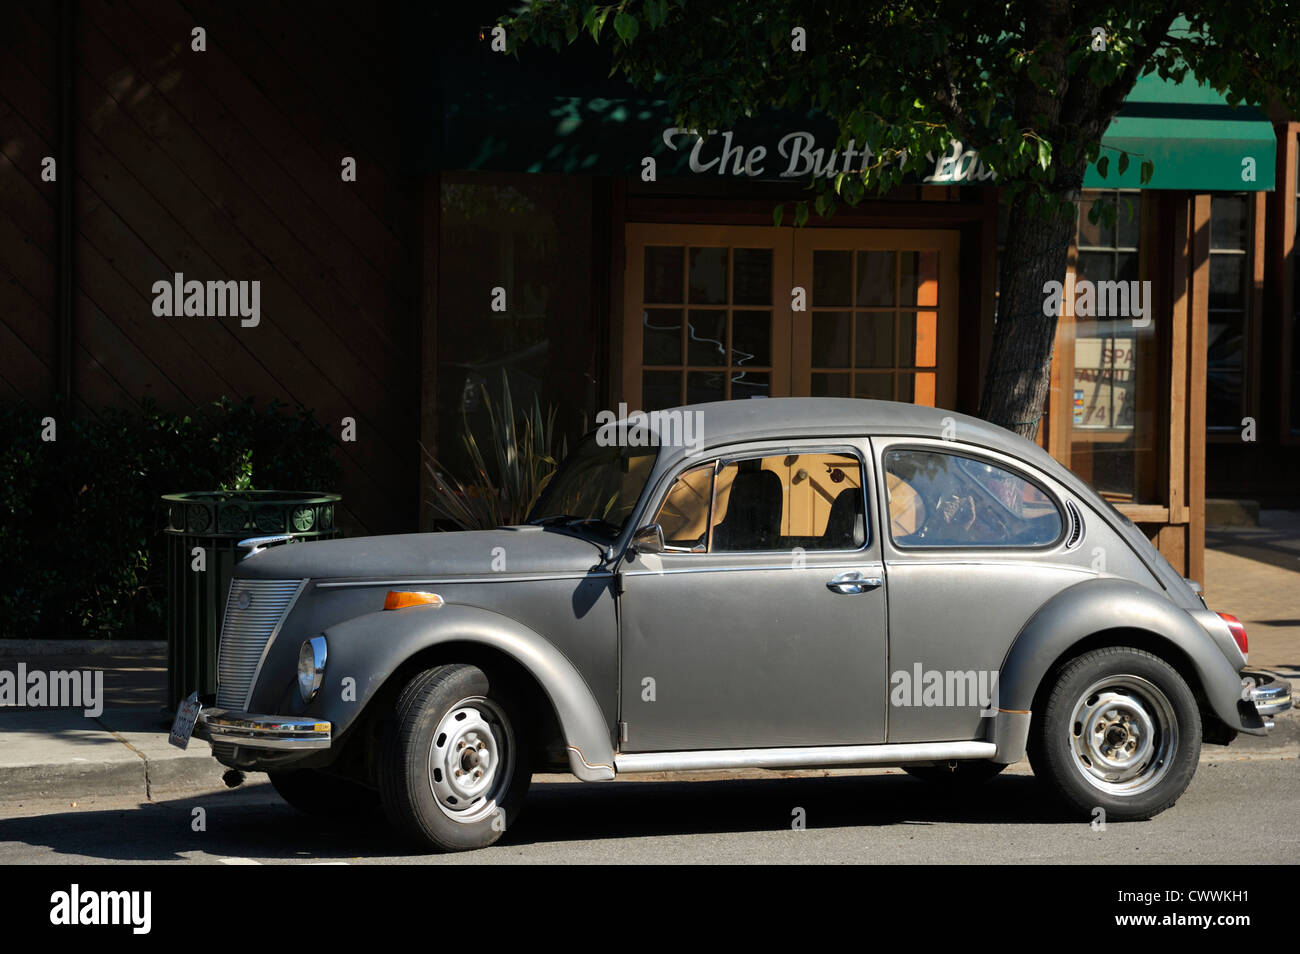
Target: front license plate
<point>187,713</point>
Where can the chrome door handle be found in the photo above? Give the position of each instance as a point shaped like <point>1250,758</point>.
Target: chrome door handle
<point>853,582</point>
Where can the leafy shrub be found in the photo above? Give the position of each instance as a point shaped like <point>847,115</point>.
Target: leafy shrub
<point>523,450</point>
<point>81,539</point>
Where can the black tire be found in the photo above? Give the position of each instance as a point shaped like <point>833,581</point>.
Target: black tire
<point>421,798</point>
<point>967,772</point>
<point>323,795</point>
<point>1101,689</point>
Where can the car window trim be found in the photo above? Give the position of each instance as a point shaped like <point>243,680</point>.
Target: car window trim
<point>725,458</point>
<point>971,452</point>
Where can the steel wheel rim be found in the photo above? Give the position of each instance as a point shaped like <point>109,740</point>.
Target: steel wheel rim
<point>1123,734</point>
<point>471,760</point>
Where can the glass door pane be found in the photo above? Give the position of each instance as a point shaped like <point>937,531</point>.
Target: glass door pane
<point>877,325</point>
<point>707,314</point>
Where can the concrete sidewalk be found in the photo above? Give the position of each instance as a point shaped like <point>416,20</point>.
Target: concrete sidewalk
<point>1254,574</point>
<point>64,753</point>
<point>1251,572</point>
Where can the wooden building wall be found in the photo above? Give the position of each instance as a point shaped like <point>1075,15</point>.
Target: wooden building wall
<point>223,165</point>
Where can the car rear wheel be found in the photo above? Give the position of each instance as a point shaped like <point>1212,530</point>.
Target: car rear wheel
<point>1120,731</point>
<point>970,772</point>
<point>454,767</point>
<point>326,796</point>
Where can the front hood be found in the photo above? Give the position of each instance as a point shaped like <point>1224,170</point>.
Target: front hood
<point>508,551</point>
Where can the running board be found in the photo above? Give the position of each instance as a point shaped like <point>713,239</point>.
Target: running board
<point>817,757</point>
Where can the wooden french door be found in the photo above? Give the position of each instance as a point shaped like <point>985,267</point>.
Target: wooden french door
<point>715,313</point>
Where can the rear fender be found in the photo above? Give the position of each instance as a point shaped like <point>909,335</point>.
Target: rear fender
<point>1094,606</point>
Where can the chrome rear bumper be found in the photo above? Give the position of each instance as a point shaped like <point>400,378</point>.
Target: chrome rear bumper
<point>1269,695</point>
<point>262,731</point>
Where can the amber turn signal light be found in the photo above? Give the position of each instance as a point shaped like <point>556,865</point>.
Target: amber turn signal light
<point>401,599</point>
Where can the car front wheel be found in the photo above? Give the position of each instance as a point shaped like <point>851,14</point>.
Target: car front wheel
<point>1120,731</point>
<point>454,766</point>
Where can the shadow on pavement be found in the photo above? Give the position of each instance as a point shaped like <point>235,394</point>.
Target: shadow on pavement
<point>253,822</point>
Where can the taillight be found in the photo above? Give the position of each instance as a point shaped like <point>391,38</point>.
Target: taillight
<point>1238,632</point>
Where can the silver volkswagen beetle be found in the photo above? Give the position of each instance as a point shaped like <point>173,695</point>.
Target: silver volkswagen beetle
<point>769,583</point>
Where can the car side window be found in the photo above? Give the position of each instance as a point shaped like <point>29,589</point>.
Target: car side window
<point>939,499</point>
<point>782,502</point>
<point>757,504</point>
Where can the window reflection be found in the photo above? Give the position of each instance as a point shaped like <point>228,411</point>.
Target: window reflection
<point>1229,312</point>
<point>1113,392</point>
<point>529,235</point>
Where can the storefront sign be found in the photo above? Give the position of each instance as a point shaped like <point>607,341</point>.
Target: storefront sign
<point>798,154</point>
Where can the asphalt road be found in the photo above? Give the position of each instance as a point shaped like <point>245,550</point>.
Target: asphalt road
<point>1235,811</point>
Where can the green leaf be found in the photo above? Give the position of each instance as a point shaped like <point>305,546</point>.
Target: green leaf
<point>1123,163</point>
<point>1044,153</point>
<point>777,215</point>
<point>1148,170</point>
<point>626,26</point>
<point>595,20</point>
<point>1103,164</point>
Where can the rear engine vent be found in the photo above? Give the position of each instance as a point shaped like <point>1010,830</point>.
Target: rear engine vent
<point>1075,536</point>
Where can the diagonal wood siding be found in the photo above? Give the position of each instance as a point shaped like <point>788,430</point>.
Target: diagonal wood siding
<point>223,165</point>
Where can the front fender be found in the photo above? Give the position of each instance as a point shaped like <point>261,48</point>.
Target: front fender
<point>370,648</point>
<point>1097,605</point>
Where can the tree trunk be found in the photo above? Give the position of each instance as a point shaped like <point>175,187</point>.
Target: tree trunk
<point>1019,370</point>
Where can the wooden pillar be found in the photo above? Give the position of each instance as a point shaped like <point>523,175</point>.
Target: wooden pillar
<point>1194,417</point>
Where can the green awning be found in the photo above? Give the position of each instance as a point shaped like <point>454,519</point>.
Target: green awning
<point>1196,140</point>
<point>544,116</point>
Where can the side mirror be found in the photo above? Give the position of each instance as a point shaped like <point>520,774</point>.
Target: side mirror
<point>649,539</point>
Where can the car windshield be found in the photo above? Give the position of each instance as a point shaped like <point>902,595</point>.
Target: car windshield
<point>595,489</point>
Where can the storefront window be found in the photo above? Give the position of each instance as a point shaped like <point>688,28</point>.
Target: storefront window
<point>514,295</point>
<point>696,300</point>
<point>875,324</point>
<point>1113,396</point>
<point>1231,234</point>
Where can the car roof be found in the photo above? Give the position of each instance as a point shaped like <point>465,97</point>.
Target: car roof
<point>725,422</point>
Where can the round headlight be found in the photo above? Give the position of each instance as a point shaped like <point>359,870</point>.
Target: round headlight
<point>311,667</point>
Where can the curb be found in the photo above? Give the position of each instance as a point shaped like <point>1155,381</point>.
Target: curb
<point>87,647</point>
<point>124,752</point>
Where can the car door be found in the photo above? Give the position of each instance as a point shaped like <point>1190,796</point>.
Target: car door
<point>975,543</point>
<point>762,623</point>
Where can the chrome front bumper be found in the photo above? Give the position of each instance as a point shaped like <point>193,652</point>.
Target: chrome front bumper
<point>1269,695</point>
<point>262,731</point>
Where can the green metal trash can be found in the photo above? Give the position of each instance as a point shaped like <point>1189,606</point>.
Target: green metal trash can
<point>215,522</point>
